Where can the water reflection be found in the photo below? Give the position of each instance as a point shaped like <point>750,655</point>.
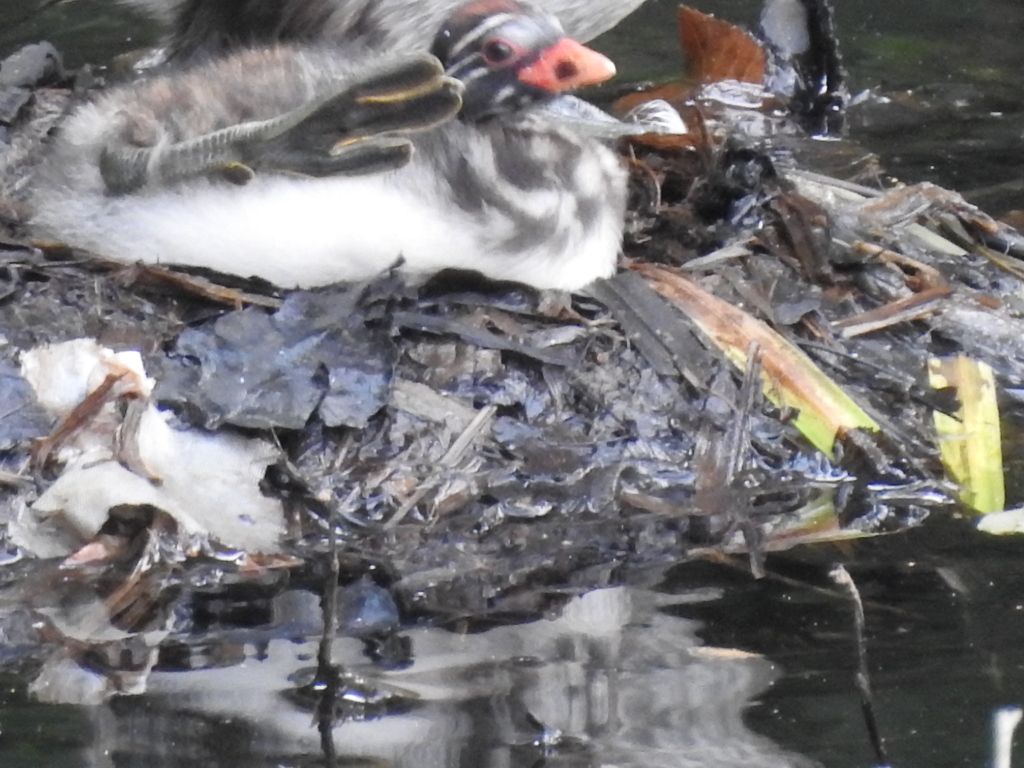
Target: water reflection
<point>618,676</point>
<point>610,680</point>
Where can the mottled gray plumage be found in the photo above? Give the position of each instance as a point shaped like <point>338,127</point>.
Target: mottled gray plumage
<point>342,127</point>
<point>522,194</point>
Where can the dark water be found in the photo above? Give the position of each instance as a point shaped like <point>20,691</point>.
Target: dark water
<point>640,676</point>
<point>85,31</point>
<point>948,106</point>
<point>945,618</point>
<point>706,668</point>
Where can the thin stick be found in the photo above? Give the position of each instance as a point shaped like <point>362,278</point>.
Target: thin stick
<point>863,679</point>
<point>75,421</point>
<point>480,423</point>
<point>327,673</point>
<point>738,447</point>
<point>831,181</point>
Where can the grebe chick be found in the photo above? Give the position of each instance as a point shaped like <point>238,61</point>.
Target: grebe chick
<point>230,166</point>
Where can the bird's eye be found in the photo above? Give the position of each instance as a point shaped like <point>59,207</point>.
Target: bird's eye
<point>497,51</point>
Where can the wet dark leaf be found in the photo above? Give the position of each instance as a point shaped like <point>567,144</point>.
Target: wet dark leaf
<point>21,419</point>
<point>256,370</point>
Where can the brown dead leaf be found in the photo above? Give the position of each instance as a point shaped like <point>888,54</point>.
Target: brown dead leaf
<point>716,50</point>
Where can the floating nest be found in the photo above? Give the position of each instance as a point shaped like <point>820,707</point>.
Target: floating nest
<point>768,368</point>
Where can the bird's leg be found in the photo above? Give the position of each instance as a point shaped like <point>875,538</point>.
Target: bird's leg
<point>353,129</point>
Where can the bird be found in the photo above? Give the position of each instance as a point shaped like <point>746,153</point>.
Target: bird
<point>205,28</point>
<point>294,164</point>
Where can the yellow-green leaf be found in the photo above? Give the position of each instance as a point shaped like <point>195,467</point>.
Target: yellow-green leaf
<point>970,444</point>
<point>790,378</point>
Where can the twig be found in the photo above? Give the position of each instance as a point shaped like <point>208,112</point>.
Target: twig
<point>79,417</point>
<point>913,307</point>
<point>830,181</point>
<point>14,480</point>
<point>203,288</point>
<point>842,577</point>
<point>455,454</point>
<point>716,556</point>
<point>738,447</point>
<point>155,275</point>
<point>327,674</point>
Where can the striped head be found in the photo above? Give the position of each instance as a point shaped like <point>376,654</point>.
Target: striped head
<point>510,55</point>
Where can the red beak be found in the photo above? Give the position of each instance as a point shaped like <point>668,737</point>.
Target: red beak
<point>566,65</point>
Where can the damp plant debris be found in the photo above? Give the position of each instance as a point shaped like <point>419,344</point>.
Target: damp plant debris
<point>791,352</point>
<point>970,441</point>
